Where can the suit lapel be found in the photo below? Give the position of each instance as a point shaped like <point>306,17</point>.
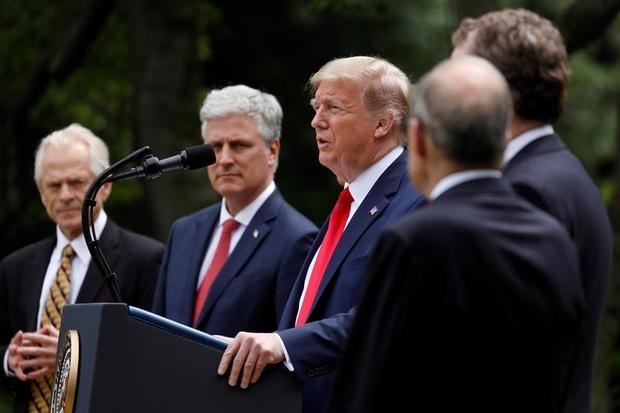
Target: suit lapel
<point>252,237</point>
<point>292,305</point>
<point>34,274</point>
<point>186,283</point>
<point>377,200</point>
<point>91,289</point>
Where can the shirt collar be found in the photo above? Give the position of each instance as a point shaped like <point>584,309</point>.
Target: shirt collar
<point>515,145</point>
<point>361,186</point>
<point>79,243</point>
<point>246,214</point>
<point>452,180</point>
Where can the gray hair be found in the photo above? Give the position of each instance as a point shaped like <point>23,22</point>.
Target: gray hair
<point>242,99</point>
<point>385,86</point>
<point>98,150</point>
<point>263,107</point>
<point>468,123</point>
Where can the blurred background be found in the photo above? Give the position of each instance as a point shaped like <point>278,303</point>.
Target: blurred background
<point>136,72</point>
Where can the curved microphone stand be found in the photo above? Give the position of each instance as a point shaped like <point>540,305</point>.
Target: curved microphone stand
<point>88,221</point>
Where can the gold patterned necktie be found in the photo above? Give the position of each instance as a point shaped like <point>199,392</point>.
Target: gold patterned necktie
<point>58,296</point>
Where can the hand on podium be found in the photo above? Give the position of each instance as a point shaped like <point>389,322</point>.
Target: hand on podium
<point>250,353</point>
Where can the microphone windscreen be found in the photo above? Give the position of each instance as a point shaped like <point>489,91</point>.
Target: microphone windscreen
<point>199,156</point>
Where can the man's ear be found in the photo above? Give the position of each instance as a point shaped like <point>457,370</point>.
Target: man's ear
<point>273,151</point>
<point>384,125</point>
<point>417,143</point>
<point>104,192</point>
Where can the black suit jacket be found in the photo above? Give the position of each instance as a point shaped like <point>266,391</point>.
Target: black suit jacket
<point>473,303</point>
<point>548,175</point>
<point>133,257</point>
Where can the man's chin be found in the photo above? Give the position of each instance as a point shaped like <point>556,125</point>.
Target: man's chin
<point>230,193</point>
<point>70,226</point>
<point>224,187</point>
<point>328,162</point>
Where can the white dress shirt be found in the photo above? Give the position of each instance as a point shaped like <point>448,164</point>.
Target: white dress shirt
<point>516,144</point>
<point>452,180</point>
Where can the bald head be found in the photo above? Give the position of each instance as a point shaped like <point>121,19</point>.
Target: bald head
<point>464,104</point>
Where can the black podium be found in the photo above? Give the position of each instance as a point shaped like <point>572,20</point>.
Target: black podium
<point>134,361</point>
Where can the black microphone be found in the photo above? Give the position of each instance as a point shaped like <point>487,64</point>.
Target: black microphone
<point>191,158</point>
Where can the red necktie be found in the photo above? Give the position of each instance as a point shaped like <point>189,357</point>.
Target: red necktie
<point>335,228</point>
<point>219,258</point>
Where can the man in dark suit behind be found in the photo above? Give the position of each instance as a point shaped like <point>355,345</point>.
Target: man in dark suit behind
<point>474,301</point>
<point>530,53</point>
<point>66,162</point>
<point>271,239</point>
<point>360,103</point>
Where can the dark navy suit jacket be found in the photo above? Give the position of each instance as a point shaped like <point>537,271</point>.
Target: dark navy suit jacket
<point>135,258</point>
<point>315,348</point>
<point>473,303</point>
<point>549,176</point>
<point>250,291</point>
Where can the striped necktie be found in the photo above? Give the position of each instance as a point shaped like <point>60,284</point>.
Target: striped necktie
<point>58,296</point>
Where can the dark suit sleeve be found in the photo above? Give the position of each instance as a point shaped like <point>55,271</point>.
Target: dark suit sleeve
<point>315,347</point>
<point>144,264</point>
<point>5,328</point>
<point>148,279</point>
<point>5,333</point>
<point>159,298</point>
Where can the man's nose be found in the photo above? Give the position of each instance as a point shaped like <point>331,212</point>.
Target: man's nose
<point>66,192</point>
<point>318,121</point>
<point>225,155</point>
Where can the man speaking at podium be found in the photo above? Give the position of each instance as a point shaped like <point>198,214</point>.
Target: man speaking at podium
<point>39,279</point>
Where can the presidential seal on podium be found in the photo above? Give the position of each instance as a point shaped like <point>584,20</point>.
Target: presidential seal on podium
<point>65,377</point>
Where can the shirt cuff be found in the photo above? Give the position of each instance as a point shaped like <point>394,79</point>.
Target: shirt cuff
<point>287,361</point>
<point>5,364</point>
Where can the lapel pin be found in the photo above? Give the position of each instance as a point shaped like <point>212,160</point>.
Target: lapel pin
<point>373,210</point>
<point>255,233</point>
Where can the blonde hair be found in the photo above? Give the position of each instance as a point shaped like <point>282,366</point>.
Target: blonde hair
<point>385,86</point>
